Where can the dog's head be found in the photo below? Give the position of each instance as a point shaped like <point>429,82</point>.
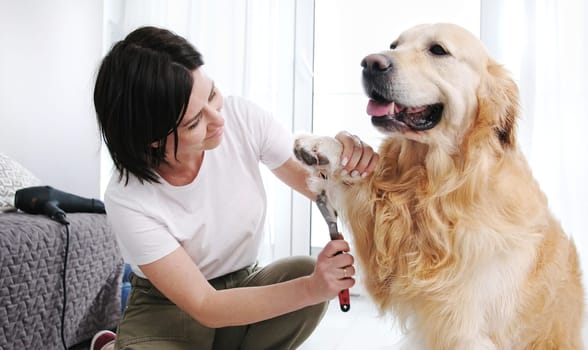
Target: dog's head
<point>435,85</point>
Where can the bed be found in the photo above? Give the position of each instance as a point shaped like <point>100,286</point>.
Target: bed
<point>32,250</point>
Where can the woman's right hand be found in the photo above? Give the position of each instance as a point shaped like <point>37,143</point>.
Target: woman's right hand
<point>333,271</point>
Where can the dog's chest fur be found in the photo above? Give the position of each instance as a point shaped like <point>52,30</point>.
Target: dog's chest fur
<point>406,237</point>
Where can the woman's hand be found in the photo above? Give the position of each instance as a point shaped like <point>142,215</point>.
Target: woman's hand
<point>357,158</point>
<point>333,271</point>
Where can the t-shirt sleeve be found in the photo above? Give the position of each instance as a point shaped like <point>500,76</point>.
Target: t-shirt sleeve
<point>142,239</point>
<point>274,141</point>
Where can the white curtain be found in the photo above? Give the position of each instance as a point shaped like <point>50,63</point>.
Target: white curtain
<point>258,49</point>
<point>241,41</point>
<point>544,44</point>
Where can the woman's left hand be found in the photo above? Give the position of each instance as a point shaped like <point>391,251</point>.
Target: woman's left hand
<point>358,158</point>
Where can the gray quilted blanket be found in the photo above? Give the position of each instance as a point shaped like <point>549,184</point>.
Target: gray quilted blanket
<point>32,249</point>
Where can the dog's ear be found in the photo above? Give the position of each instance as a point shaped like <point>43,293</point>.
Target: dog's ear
<point>498,102</point>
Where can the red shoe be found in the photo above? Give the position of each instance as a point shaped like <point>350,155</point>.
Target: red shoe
<point>102,339</point>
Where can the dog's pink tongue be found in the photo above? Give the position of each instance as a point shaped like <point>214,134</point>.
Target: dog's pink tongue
<point>377,109</point>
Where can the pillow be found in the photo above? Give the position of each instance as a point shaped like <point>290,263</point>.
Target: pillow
<point>13,177</point>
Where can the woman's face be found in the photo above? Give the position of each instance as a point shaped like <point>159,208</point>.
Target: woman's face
<point>201,127</point>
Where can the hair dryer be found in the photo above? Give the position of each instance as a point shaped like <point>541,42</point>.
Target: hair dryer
<point>54,203</point>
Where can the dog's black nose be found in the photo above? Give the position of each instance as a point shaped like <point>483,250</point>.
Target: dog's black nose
<point>376,64</point>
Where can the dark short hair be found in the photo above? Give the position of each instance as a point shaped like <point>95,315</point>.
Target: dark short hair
<point>142,90</point>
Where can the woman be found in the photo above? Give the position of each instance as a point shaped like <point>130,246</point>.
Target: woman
<point>187,205</point>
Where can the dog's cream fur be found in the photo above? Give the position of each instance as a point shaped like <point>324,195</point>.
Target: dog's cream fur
<point>452,232</point>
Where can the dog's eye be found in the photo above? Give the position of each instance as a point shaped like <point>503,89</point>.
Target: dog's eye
<point>438,50</point>
<point>393,45</point>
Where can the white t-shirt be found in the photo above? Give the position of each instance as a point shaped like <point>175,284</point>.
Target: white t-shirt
<point>219,217</point>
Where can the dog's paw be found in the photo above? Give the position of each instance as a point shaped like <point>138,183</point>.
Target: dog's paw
<point>320,153</point>
<point>320,156</point>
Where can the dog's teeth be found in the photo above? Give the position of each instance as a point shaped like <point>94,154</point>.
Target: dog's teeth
<point>392,107</point>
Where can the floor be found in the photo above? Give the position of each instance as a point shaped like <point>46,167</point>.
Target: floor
<point>359,328</point>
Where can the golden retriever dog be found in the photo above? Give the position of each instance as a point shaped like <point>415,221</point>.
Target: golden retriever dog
<point>452,233</point>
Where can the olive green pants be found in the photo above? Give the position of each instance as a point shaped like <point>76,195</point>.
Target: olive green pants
<point>151,321</point>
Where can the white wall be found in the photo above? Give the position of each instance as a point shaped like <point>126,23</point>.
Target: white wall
<point>49,53</point>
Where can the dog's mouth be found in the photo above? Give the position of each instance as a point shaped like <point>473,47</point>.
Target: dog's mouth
<point>391,115</point>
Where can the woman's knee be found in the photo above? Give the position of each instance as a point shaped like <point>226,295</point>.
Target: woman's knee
<point>282,270</point>
<point>300,265</point>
